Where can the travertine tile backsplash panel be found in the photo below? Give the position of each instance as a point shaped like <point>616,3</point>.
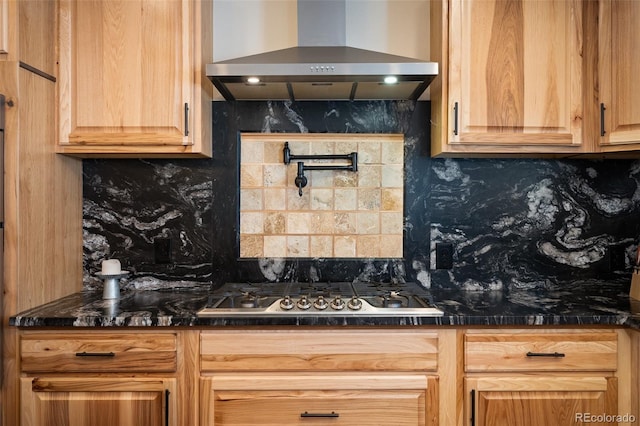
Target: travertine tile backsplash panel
<point>341,214</point>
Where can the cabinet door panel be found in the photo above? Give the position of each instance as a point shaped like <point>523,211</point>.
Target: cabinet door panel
<point>514,77</point>
<point>522,401</point>
<point>131,78</point>
<point>97,402</point>
<point>619,66</point>
<point>124,61</point>
<point>319,400</point>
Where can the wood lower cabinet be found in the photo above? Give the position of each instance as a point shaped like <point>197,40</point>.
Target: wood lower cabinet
<point>331,399</point>
<point>553,378</point>
<point>268,376</point>
<point>114,378</point>
<point>548,401</point>
<point>323,377</point>
<point>82,401</point>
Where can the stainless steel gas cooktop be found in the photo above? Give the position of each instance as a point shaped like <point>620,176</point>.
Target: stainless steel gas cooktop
<point>319,299</point>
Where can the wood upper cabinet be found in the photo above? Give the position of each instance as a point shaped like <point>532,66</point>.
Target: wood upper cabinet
<point>511,77</point>
<point>618,70</point>
<point>132,78</point>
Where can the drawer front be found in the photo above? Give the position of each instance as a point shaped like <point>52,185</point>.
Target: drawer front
<point>319,400</point>
<point>319,351</point>
<point>357,408</point>
<point>541,352</point>
<point>97,352</point>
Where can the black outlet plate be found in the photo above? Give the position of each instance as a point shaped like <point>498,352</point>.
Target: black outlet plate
<point>444,256</point>
<point>162,250</point>
<point>617,258</point>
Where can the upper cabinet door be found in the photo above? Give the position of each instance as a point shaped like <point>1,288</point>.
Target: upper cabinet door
<point>514,77</point>
<point>619,66</point>
<point>131,78</point>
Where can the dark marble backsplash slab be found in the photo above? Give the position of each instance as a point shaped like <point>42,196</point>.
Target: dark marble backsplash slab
<point>513,223</point>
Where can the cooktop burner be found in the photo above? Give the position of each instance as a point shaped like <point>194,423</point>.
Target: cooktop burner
<point>319,299</point>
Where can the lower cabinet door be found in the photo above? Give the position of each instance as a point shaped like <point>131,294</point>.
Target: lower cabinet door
<point>536,401</point>
<point>334,400</point>
<point>83,401</point>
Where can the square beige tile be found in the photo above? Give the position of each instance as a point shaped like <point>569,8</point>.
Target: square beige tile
<point>252,152</point>
<point>368,246</point>
<point>392,176</point>
<point>298,223</point>
<point>369,199</point>
<point>392,153</point>
<point>368,223</point>
<point>369,152</point>
<point>251,199</point>
<point>320,246</point>
<point>298,246</point>
<point>275,199</point>
<point>391,223</point>
<point>321,199</point>
<point>252,223</point>
<point>275,175</point>
<point>345,199</point>
<point>344,246</point>
<point>251,246</point>
<point>251,176</point>
<point>391,246</point>
<point>274,223</point>
<point>275,246</point>
<point>391,199</point>
<point>273,152</point>
<point>322,223</point>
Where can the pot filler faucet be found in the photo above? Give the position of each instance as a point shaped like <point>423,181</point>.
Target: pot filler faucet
<point>301,180</point>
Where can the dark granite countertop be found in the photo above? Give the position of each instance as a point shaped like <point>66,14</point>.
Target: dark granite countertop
<point>582,303</point>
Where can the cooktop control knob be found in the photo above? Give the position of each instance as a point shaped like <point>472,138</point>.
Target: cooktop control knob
<point>303,303</point>
<point>320,303</point>
<point>286,303</point>
<point>337,303</point>
<point>354,303</point>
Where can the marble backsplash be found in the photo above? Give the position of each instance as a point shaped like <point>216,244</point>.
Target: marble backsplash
<point>513,223</point>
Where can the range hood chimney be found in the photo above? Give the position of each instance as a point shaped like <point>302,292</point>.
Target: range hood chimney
<point>322,67</point>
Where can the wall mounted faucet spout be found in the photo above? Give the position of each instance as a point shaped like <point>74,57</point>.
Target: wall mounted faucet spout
<point>301,180</point>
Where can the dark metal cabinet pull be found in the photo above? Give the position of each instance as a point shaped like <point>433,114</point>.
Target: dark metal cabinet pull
<point>186,119</point>
<point>546,354</point>
<point>473,407</point>
<point>455,119</point>
<point>96,354</point>
<point>308,414</point>
<point>166,407</point>
<point>602,110</point>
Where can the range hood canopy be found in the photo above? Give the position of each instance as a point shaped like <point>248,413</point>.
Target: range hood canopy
<point>322,67</point>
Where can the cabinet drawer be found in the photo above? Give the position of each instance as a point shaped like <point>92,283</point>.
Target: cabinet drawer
<point>339,401</point>
<point>97,352</point>
<point>318,351</point>
<point>541,352</point>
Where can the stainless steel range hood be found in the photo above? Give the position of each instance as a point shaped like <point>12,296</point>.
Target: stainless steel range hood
<point>321,67</point>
